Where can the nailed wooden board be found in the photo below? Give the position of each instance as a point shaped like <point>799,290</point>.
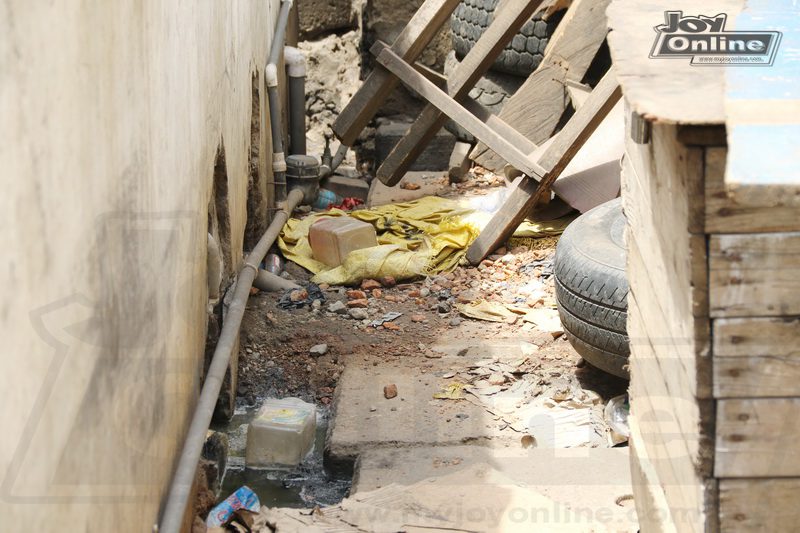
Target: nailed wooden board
<point>419,31</point>
<point>757,438</point>
<point>756,357</point>
<point>554,158</point>
<point>777,337</point>
<point>538,105</point>
<point>754,274</point>
<point>742,208</point>
<point>747,505</point>
<point>665,90</point>
<point>744,377</point>
<point>512,15</point>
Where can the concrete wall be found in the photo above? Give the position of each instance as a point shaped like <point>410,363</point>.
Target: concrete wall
<point>112,118</point>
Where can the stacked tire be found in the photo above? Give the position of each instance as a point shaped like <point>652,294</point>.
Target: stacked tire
<point>511,68</point>
<point>592,287</point>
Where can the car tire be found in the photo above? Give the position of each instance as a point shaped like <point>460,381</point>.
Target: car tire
<point>592,288</point>
<point>526,49</point>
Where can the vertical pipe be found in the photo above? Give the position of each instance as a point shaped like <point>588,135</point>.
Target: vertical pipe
<point>271,75</point>
<point>278,157</point>
<point>296,71</point>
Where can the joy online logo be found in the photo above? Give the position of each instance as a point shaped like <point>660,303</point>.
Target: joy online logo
<point>705,41</point>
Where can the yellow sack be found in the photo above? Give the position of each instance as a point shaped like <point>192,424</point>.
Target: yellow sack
<point>421,237</point>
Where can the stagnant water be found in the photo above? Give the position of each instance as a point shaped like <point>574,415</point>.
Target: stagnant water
<point>307,485</point>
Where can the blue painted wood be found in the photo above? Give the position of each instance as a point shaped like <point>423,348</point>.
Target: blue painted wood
<point>763,147</point>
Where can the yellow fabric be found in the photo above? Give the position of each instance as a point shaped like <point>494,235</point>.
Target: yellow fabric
<point>421,237</point>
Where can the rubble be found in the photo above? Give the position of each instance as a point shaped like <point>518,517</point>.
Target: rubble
<point>337,307</point>
<point>358,314</point>
<point>390,391</point>
<point>318,349</point>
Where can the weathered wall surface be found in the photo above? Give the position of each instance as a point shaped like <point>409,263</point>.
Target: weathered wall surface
<point>318,17</point>
<point>113,118</point>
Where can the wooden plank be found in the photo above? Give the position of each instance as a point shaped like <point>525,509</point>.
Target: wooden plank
<point>459,163</point>
<point>777,337</point>
<point>673,174</point>
<point>747,505</point>
<point>536,109</point>
<point>741,208</point>
<point>673,449</point>
<point>660,184</point>
<point>754,275</point>
<point>680,342</point>
<point>665,90</point>
<point>419,31</point>
<point>756,357</point>
<point>511,16</point>
<point>554,159</point>
<point>757,438</point>
<point>680,421</point>
<point>652,508</point>
<point>444,103</point>
<point>743,377</point>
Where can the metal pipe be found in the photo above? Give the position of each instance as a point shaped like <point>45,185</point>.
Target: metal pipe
<point>276,126</point>
<point>296,72</point>
<point>184,477</point>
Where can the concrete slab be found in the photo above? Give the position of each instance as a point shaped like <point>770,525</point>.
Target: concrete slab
<point>594,483</point>
<point>429,183</point>
<point>366,420</point>
<point>504,349</point>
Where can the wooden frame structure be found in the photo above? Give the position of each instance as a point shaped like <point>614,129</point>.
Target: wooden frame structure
<point>448,99</point>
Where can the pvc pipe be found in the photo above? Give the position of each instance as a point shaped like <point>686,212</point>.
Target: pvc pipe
<point>326,170</point>
<point>278,158</point>
<point>295,62</point>
<point>182,482</point>
<point>267,281</point>
<point>296,70</point>
<point>271,75</point>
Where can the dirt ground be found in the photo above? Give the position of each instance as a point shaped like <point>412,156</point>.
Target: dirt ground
<point>275,360</point>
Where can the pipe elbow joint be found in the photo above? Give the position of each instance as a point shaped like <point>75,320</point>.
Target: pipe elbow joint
<point>295,62</point>
<point>271,74</point>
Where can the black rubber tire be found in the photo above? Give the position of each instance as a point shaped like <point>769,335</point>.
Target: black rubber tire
<point>592,288</point>
<point>525,51</point>
<point>491,91</point>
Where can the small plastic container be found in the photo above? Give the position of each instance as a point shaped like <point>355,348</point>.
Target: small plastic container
<point>332,239</point>
<point>282,434</point>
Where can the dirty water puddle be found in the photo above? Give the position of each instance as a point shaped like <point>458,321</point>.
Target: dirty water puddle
<point>304,486</point>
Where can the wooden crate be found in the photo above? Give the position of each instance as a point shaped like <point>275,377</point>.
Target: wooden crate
<point>714,305</point>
